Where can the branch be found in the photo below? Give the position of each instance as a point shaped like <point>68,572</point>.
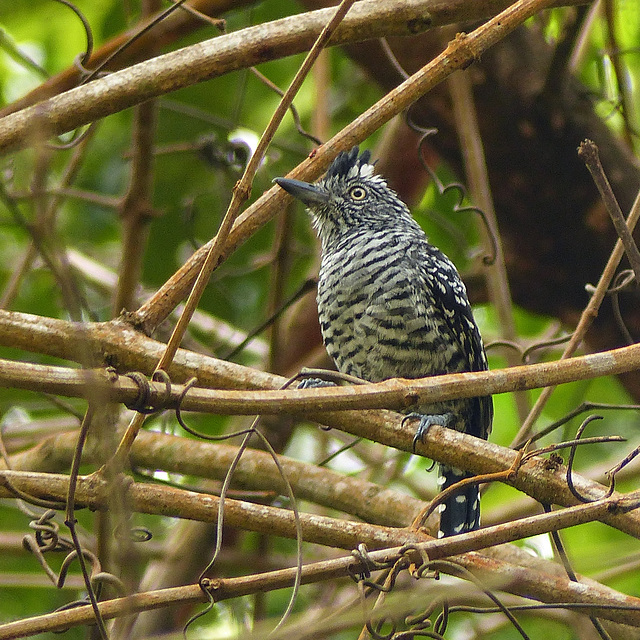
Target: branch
<point>450,447</point>
<point>204,61</point>
<point>588,151</point>
<point>123,49</point>
<point>536,477</point>
<point>255,471</point>
<point>396,393</point>
<point>176,502</point>
<point>613,605</point>
<point>116,344</point>
<point>248,47</point>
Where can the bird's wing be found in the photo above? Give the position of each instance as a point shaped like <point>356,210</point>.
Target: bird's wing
<point>450,296</point>
<point>442,288</point>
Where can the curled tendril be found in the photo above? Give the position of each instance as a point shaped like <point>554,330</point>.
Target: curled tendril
<point>367,565</point>
<point>46,538</point>
<point>142,402</point>
<point>375,630</point>
<point>621,283</point>
<point>460,572</point>
<point>572,454</point>
<point>198,434</point>
<point>454,187</point>
<point>421,620</point>
<point>47,533</point>
<point>442,621</point>
<point>388,584</point>
<point>409,550</point>
<point>611,474</point>
<point>98,579</point>
<point>66,563</point>
<point>83,57</point>
<point>103,578</point>
<point>77,137</point>
<point>189,384</point>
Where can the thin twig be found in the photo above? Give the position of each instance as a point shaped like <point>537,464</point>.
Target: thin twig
<point>205,60</point>
<point>588,151</point>
<point>70,520</point>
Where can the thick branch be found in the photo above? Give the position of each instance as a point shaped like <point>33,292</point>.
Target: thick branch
<point>255,471</point>
<point>536,477</point>
<point>559,588</point>
<point>204,61</point>
<point>116,344</point>
<point>396,393</point>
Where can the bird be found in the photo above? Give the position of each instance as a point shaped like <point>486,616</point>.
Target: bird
<point>391,304</point>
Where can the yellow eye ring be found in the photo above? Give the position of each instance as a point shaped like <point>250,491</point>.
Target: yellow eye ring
<point>358,193</point>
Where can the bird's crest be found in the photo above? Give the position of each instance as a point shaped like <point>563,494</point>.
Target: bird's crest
<point>350,165</point>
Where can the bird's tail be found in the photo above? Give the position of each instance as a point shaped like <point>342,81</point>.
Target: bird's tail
<point>460,512</point>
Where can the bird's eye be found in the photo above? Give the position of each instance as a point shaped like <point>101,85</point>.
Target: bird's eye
<point>358,193</point>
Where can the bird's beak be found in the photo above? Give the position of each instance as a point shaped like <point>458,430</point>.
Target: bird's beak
<point>310,194</point>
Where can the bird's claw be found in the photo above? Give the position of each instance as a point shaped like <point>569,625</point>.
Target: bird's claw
<point>314,383</point>
<point>425,422</point>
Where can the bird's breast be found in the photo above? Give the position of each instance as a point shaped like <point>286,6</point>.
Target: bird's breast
<point>375,315</point>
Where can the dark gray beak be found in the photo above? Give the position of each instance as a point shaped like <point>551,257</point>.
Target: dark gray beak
<point>310,194</point>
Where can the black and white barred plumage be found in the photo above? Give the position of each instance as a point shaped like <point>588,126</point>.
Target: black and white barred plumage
<point>393,305</point>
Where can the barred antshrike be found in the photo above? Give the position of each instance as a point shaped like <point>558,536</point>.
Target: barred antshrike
<point>393,305</point>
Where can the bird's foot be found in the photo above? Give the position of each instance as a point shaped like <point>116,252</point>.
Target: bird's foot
<point>425,422</point>
<point>314,383</point>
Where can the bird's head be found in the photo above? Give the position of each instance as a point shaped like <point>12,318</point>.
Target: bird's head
<point>348,195</point>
